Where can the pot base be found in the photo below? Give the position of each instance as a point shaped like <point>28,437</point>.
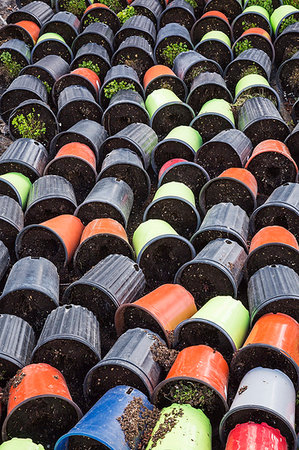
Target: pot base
<point>170,116</point>
<point>272,253</point>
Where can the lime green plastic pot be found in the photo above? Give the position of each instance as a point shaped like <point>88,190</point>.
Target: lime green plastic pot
<point>21,444</point>
<point>47,36</point>
<point>257,9</point>
<point>175,189</point>
<point>218,106</point>
<point>158,98</point>
<point>250,80</point>
<point>219,35</point>
<point>186,134</point>
<point>279,14</point>
<point>20,184</point>
<point>149,230</point>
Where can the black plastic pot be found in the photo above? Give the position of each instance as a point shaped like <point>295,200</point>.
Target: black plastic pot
<point>110,197</point>
<point>217,50</point>
<point>98,33</point>
<point>110,283</point>
<point>20,54</point>
<point>70,342</point>
<point>281,208</point>
<point>260,120</point>
<point>21,3</point>
<point>209,23</point>
<point>148,8</point>
<point>16,345</point>
<point>95,53</point>
<point>130,361</point>
<point>258,41</point>
<point>50,196</point>
<point>38,12</point>
<point>31,291</point>
<point>286,43</point>
<point>76,79</point>
<point>223,220</point>
<point>292,143</point>
<point>286,75</point>
<point>15,31</point>
<point>136,26</point>
<point>25,156</point>
<point>188,65</point>
<point>24,87</point>
<point>207,86</point>
<point>135,52</point>
<point>242,21</point>
<point>126,165</point>
<point>11,221</point>
<point>231,8</point>
<point>167,81</point>
<point>52,46</point>
<point>65,5</point>
<point>101,14</point>
<point>86,132</point>
<point>171,34</point>
<point>229,148</point>
<point>138,137</point>
<point>178,11</point>
<point>216,270</point>
<point>76,103</point>
<point>65,24</point>
<point>4,259</point>
<point>273,289</point>
<point>247,61</point>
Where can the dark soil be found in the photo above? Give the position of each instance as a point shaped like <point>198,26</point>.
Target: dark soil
<point>51,47</point>
<point>47,208</point>
<point>177,15</point>
<point>208,24</point>
<point>217,51</point>
<point>205,92</point>
<point>84,443</point>
<point>171,116</point>
<point>210,124</point>
<point>126,113</point>
<point>172,83</point>
<point>216,157</point>
<point>172,149</point>
<point>134,57</point>
<point>77,110</point>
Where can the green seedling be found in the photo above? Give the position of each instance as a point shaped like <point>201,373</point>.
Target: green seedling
<point>90,65</point>
<point>243,45</point>
<point>126,13</point>
<point>29,125</point>
<point>12,67</point>
<point>113,4</point>
<point>286,22</point>
<point>76,7</point>
<point>246,25</point>
<point>267,4</point>
<point>171,51</point>
<point>114,86</point>
<point>193,3</point>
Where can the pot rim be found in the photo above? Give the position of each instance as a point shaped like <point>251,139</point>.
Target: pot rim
<point>240,240</point>
<point>168,75</point>
<point>19,200</point>
<point>257,313</point>
<point>54,160</point>
<point>182,163</point>
<point>248,267</point>
<point>166,141</point>
<point>268,88</point>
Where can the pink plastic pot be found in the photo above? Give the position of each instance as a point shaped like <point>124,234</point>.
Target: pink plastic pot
<point>255,436</point>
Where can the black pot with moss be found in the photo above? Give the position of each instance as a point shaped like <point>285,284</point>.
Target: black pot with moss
<point>98,33</point>
<point>92,56</point>
<point>172,40</point>
<point>136,26</point>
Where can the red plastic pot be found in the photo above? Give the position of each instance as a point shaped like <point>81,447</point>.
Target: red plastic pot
<point>81,76</point>
<point>215,14</point>
<point>32,28</point>
<point>257,30</point>
<point>77,150</point>
<point>95,5</point>
<point>255,436</point>
<point>160,311</point>
<point>169,164</point>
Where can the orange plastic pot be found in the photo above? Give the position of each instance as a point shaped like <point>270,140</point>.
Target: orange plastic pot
<point>154,72</point>
<point>160,76</point>
<point>32,28</point>
<point>95,5</point>
<point>100,238</point>
<point>203,370</point>
<point>160,311</point>
<point>257,30</point>
<point>215,14</point>
<point>272,343</point>
<point>90,75</point>
<point>38,393</point>
<point>78,150</point>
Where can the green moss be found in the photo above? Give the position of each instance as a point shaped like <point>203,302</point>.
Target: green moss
<point>267,4</point>
<point>171,51</point>
<point>192,3</point>
<point>253,69</point>
<point>294,3</point>
<point>115,5</point>
<point>126,13</point>
<point>114,86</point>
<point>246,25</point>
<point>286,22</point>
<point>90,65</point>
<point>29,126</point>
<point>243,45</point>
<point>12,67</point>
<point>76,7</point>
<point>46,84</point>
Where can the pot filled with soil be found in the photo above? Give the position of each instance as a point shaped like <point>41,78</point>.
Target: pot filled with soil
<point>160,251</point>
<point>282,17</point>
<point>216,45</point>
<point>291,141</point>
<point>178,11</point>
<point>11,221</point>
<point>136,26</point>
<point>254,16</point>
<point>231,8</point>
<point>76,8</point>
<point>14,56</point>
<point>51,44</point>
<point>286,44</point>
<point>82,77</point>
<point>172,40</point>
<point>25,30</point>
<point>92,56</point>
<point>99,12</point>
<point>254,85</point>
<point>135,52</point>
<point>159,311</point>
<point>216,270</point>
<point>159,76</point>
<point>255,436</point>
<point>98,33</point>
<point>38,12</point>
<point>254,38</point>
<point>64,23</point>
<point>100,238</point>
<point>148,8</point>
<point>16,186</point>
<point>210,21</point>
<point>288,75</point>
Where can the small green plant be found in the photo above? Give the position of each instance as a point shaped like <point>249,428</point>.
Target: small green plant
<point>126,13</point>
<point>192,3</point>
<point>29,126</point>
<point>246,25</point>
<point>90,65</point>
<point>267,4</point>
<point>243,45</point>
<point>292,3</point>
<point>114,86</point>
<point>286,22</point>
<point>112,4</point>
<point>92,19</point>
<point>253,69</point>
<point>171,51</point>
<point>12,67</point>
<point>189,393</point>
<point>46,84</point>
<point>76,7</point>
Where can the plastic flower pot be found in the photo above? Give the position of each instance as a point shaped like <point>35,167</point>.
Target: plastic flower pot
<point>281,15</point>
<point>183,171</point>
<point>260,120</point>
<point>110,197</point>
<point>199,376</point>
<point>205,87</point>
<point>281,208</point>
<point>159,311</point>
<point>128,106</point>
<point>254,38</point>
<point>160,251</point>
<point>98,12</point>
<point>172,39</point>
<point>214,116</point>
<point>49,196</point>
<point>188,65</point>
<point>4,259</point>
<point>16,345</point>
<point>98,33</point>
<point>254,85</point>
<point>189,425</point>
<point>78,9</point>
<point>77,103</point>
<point>135,52</point>
<point>111,282</point>
<point>38,12</point>
<point>31,291</point>
<point>83,77</point>
<point>216,45</point>
<point>138,137</point>
<point>15,185</point>
<point>254,14</point>
<point>181,142</point>
<point>95,427</point>
<point>124,164</point>
<point>211,20</point>
<point>222,323</point>
<point>167,111</point>
<point>273,289</point>
<point>18,54</point>
<point>75,162</point>
<point>25,30</point>
<point>21,444</point>
<point>285,43</point>
<point>97,55</point>
<point>255,436</point>
<point>264,395</point>
<point>273,245</point>
<point>216,270</point>
<point>100,238</point>
<point>272,165</point>
<point>231,8</point>
<point>159,76</point>
<point>56,239</point>
<point>236,185</point>
<point>291,143</point>
<point>136,26</point>
<point>39,393</point>
<point>25,156</point>
<point>148,8</point>
<point>286,74</point>
<point>49,44</point>
<point>175,203</point>
<point>65,24</point>
<point>178,11</point>
<point>11,221</point>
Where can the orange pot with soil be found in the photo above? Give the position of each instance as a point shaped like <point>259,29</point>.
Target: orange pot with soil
<point>96,5</point>
<point>160,76</point>
<point>160,311</point>
<point>90,75</point>
<point>257,30</point>
<point>215,14</point>
<point>78,150</point>
<point>32,28</point>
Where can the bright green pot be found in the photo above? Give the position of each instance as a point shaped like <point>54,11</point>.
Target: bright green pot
<point>21,444</point>
<point>218,106</point>
<point>158,98</point>
<point>218,35</point>
<point>250,80</point>
<point>188,135</point>
<point>149,230</point>
<point>175,189</point>
<point>19,184</point>
<point>47,36</point>
<point>279,14</point>
<point>257,9</point>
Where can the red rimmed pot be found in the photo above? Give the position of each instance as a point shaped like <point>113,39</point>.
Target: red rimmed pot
<point>159,311</point>
<point>56,239</point>
<point>172,40</point>
<point>82,77</point>
<point>286,75</point>
<point>39,393</point>
<point>159,76</point>
<point>100,238</point>
<point>254,38</point>
<point>99,12</point>
<point>38,12</point>
<point>272,245</point>
<point>136,26</point>
<point>286,43</point>
<point>94,56</point>
<point>231,8</point>
<point>255,436</point>
<point>25,30</point>
<point>97,32</point>
<point>292,139</point>
<point>17,56</point>
<point>272,165</point>
<point>148,8</point>
<point>65,24</point>
<point>216,45</point>
<point>75,8</point>
<point>178,11</point>
<point>199,376</point>
<point>11,221</point>
<point>251,15</point>
<point>51,44</point>
<point>209,21</point>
